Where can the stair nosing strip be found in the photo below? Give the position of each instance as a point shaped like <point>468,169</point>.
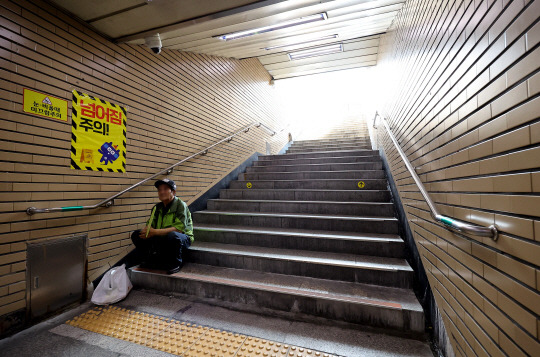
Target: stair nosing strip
<point>338,163</point>
<point>396,239</point>
<point>239,213</point>
<point>301,190</point>
<point>300,201</point>
<point>298,259</point>
<point>308,180</point>
<point>319,158</point>
<point>315,152</point>
<point>321,171</point>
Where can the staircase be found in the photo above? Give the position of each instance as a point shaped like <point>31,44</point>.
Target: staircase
<point>310,233</point>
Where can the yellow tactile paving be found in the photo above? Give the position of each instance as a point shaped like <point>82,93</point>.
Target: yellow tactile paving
<point>180,338</point>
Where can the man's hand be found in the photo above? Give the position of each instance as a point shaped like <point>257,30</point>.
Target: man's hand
<point>156,232</point>
<point>143,235</point>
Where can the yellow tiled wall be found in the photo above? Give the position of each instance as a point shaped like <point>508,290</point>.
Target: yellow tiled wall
<point>177,104</point>
<point>461,86</point>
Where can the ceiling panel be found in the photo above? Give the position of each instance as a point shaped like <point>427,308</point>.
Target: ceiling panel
<point>299,73</point>
<point>333,65</point>
<point>193,25</point>
<point>372,41</point>
<point>236,48</point>
<point>363,17</point>
<point>89,10</point>
<point>323,58</point>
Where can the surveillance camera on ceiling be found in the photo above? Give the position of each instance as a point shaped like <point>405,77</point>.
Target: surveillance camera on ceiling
<point>154,42</point>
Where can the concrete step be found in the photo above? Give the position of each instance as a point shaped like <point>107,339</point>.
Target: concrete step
<point>328,184</point>
<point>347,130</point>
<point>383,307</point>
<point>318,167</point>
<point>352,134</point>
<point>322,160</point>
<point>394,272</point>
<point>298,150</point>
<point>332,141</point>
<point>331,144</point>
<point>345,134</point>
<point>332,138</point>
<point>357,138</point>
<point>307,195</point>
<point>314,175</point>
<point>382,245</point>
<point>384,225</point>
<point>321,154</point>
<point>293,150</point>
<point>384,209</point>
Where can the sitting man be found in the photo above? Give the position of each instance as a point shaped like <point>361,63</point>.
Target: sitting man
<point>168,232</point>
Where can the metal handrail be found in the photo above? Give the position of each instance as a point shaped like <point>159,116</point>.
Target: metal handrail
<point>375,119</point>
<point>108,202</point>
<point>448,222</point>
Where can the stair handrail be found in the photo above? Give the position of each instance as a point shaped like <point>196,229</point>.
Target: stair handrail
<point>448,222</point>
<point>108,202</point>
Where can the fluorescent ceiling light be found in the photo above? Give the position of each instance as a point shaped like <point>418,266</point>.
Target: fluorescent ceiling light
<point>318,51</point>
<point>302,43</point>
<point>282,25</point>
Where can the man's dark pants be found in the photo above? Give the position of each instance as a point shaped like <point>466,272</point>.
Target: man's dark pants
<point>160,251</point>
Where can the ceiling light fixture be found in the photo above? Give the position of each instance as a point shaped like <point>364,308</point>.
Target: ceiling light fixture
<point>302,43</point>
<point>319,51</point>
<point>280,26</point>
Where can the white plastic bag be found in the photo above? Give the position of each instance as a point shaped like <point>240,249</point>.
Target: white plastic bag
<point>114,286</point>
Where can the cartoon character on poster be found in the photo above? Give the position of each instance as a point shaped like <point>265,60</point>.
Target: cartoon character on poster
<point>109,153</point>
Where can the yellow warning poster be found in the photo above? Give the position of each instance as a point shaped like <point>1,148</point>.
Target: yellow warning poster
<point>44,105</point>
<point>98,134</point>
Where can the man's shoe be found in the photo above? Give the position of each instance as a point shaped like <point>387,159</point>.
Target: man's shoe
<point>173,270</point>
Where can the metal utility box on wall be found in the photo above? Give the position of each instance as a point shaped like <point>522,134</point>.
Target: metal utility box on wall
<point>56,274</point>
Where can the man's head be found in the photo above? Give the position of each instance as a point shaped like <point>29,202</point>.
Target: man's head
<point>166,190</point>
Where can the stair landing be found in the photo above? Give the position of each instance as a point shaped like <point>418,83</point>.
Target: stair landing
<point>55,337</point>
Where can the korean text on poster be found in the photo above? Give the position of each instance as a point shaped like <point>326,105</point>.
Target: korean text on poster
<point>98,140</point>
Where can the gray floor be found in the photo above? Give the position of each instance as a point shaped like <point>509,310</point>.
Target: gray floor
<point>54,338</point>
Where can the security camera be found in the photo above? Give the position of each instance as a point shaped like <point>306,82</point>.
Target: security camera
<point>154,42</point>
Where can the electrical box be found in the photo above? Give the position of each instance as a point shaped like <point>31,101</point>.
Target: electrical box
<point>56,274</point>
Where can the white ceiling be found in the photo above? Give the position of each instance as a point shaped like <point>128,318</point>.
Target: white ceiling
<point>192,25</point>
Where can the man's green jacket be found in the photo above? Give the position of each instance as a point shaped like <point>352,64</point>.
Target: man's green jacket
<point>176,214</point>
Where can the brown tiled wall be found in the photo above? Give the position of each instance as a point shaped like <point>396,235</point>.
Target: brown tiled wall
<point>177,104</point>
<point>461,88</point>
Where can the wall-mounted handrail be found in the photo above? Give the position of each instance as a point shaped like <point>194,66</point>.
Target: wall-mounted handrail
<point>448,222</point>
<point>375,119</point>
<point>108,202</point>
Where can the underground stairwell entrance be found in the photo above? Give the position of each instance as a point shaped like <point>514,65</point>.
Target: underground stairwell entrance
<point>309,234</point>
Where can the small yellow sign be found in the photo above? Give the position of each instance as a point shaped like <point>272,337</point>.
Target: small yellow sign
<point>361,184</point>
<point>44,105</point>
<point>248,185</point>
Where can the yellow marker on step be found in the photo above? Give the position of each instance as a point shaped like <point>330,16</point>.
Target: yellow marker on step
<point>248,185</point>
<point>361,184</point>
